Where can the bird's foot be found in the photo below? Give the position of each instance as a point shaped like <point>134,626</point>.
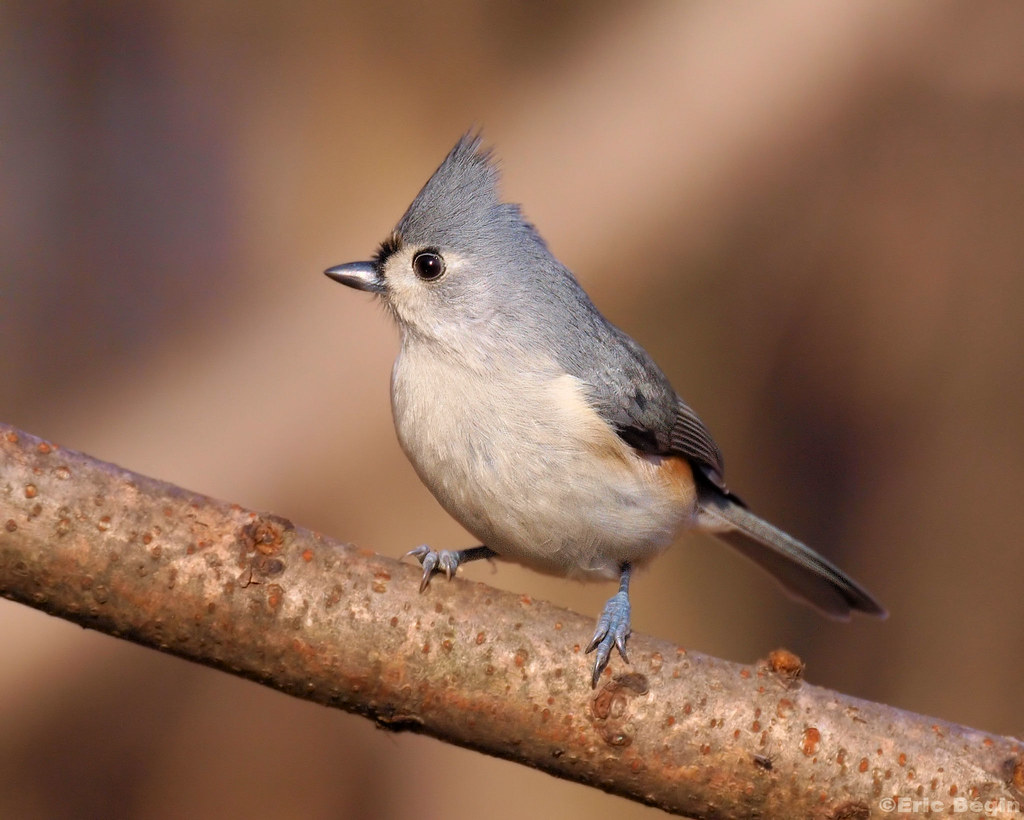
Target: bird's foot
<point>446,561</point>
<point>612,631</point>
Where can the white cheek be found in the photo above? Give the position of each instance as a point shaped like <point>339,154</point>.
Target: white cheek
<point>402,284</point>
<point>427,308</point>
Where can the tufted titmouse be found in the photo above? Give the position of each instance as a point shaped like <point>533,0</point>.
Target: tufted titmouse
<point>542,428</point>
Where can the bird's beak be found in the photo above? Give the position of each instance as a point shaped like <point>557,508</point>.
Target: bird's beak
<point>358,275</point>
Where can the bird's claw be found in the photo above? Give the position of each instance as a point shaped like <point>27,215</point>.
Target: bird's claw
<point>612,631</point>
<point>446,561</point>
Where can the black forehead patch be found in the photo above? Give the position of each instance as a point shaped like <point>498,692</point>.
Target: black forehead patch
<point>388,247</point>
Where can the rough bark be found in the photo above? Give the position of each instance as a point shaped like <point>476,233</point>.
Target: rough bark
<point>253,595</point>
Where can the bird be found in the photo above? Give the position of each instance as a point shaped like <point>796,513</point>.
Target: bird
<point>546,431</point>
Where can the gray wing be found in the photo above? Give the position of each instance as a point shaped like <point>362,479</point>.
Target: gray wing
<point>631,393</point>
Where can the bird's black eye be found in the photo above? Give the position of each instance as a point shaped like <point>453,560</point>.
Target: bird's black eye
<point>428,265</point>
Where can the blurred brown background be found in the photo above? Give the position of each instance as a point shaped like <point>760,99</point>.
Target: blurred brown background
<point>809,213</point>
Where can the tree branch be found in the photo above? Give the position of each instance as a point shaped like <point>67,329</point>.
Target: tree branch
<point>253,595</point>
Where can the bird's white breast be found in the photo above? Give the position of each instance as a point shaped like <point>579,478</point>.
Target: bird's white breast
<point>519,458</point>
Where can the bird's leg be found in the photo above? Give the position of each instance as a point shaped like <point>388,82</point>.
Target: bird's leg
<point>446,561</point>
<point>612,627</point>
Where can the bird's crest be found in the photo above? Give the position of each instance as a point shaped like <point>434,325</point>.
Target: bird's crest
<point>459,208</point>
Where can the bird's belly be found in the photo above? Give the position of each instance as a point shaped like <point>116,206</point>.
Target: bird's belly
<point>537,475</point>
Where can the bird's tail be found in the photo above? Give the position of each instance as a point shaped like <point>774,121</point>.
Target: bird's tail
<point>804,573</point>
